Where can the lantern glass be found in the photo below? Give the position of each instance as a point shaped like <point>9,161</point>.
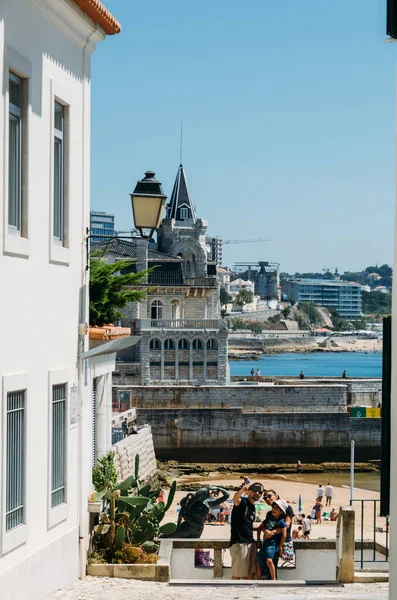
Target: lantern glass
<point>147,211</point>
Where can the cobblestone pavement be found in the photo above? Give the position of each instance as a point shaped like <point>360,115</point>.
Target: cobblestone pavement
<point>101,588</point>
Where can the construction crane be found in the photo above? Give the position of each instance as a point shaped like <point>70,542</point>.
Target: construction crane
<point>245,241</point>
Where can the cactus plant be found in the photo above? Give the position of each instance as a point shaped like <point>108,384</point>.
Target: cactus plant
<point>130,520</point>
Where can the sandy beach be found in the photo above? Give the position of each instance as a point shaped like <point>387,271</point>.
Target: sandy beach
<point>289,490</point>
<point>311,344</point>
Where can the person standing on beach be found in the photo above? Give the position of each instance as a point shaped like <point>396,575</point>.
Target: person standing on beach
<point>242,544</point>
<point>299,469</point>
<point>317,509</point>
<point>307,525</point>
<point>329,494</point>
<point>301,375</point>
<point>319,493</point>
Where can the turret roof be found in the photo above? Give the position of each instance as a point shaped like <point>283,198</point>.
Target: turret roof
<point>180,199</point>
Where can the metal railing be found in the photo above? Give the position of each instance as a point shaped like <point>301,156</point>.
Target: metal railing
<point>368,506</point>
<point>179,324</point>
<point>202,282</point>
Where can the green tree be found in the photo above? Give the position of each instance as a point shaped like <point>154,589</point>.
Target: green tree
<point>376,302</point>
<point>244,297</point>
<point>225,297</point>
<point>107,289</point>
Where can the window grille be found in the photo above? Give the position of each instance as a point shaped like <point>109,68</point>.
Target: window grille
<point>15,459</point>
<point>58,469</point>
<point>169,344</point>
<point>93,422</point>
<point>58,207</point>
<point>184,214</point>
<point>15,152</point>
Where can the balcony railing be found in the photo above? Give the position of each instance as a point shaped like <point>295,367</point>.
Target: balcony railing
<point>202,282</point>
<point>213,324</point>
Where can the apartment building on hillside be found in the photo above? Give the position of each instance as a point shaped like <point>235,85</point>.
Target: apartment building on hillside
<point>344,297</point>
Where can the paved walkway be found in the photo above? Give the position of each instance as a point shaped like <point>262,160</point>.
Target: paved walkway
<point>98,588</point>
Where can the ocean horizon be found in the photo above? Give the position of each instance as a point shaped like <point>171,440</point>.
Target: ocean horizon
<point>313,364</point>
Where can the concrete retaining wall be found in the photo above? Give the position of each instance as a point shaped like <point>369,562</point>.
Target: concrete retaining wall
<point>233,435</point>
<point>288,398</point>
<point>128,448</point>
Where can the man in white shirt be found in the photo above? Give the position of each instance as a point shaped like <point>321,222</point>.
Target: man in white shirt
<point>307,525</point>
<point>329,494</point>
<point>319,494</point>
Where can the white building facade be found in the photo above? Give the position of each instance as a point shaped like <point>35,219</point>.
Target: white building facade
<point>45,388</point>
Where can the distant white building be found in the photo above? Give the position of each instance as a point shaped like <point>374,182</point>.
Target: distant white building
<point>239,284</point>
<point>46,415</point>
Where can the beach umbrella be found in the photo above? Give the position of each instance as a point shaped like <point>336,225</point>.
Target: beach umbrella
<point>299,503</point>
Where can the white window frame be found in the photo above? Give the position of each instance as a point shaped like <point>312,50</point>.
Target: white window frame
<point>183,213</point>
<point>60,248</point>
<point>16,239</point>
<point>59,513</point>
<point>158,306</point>
<point>10,540</point>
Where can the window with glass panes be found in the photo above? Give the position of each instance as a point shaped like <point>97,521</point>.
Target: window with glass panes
<point>58,445</point>
<point>15,459</point>
<point>58,206</point>
<point>14,152</point>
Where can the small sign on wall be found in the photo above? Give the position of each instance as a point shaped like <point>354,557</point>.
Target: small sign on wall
<point>73,405</point>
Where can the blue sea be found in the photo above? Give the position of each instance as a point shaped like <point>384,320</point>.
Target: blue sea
<point>317,364</point>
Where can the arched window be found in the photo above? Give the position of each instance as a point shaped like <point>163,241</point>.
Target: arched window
<point>183,344</point>
<point>197,344</point>
<point>156,310</point>
<point>169,344</point>
<point>175,313</point>
<point>212,345</point>
<point>155,344</point>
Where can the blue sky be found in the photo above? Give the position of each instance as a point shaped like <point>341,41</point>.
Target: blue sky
<point>288,110</point>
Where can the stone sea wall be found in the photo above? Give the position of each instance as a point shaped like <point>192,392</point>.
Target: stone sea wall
<point>280,398</point>
<point>128,448</point>
<point>236,435</point>
<point>275,423</point>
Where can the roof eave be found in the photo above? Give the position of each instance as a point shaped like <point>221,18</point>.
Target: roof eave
<point>100,15</point>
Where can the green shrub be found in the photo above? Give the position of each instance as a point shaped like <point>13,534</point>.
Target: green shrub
<point>104,471</point>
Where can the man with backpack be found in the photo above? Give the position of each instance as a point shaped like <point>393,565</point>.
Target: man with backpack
<point>242,545</point>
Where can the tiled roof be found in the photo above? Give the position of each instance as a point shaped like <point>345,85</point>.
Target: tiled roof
<point>100,14</point>
<point>125,249</point>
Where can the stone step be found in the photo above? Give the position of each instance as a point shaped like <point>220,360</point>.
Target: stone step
<point>245,582</point>
<point>371,577</point>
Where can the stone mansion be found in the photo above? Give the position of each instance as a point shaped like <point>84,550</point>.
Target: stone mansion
<point>183,340</point>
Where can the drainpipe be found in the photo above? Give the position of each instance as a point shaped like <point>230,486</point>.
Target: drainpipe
<point>82,500</point>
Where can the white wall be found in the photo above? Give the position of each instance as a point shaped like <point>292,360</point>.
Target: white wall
<point>39,285</point>
<point>310,564</point>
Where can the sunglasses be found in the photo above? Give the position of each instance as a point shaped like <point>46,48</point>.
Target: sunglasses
<point>268,496</point>
<point>256,490</point>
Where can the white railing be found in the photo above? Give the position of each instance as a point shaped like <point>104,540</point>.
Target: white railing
<point>213,324</point>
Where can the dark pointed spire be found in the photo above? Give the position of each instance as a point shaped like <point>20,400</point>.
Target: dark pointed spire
<point>180,207</point>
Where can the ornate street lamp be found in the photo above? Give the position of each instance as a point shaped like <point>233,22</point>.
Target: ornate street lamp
<point>148,201</point>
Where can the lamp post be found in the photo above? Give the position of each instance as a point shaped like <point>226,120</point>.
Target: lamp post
<point>148,201</point>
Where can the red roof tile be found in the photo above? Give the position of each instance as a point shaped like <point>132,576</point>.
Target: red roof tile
<point>100,14</point>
